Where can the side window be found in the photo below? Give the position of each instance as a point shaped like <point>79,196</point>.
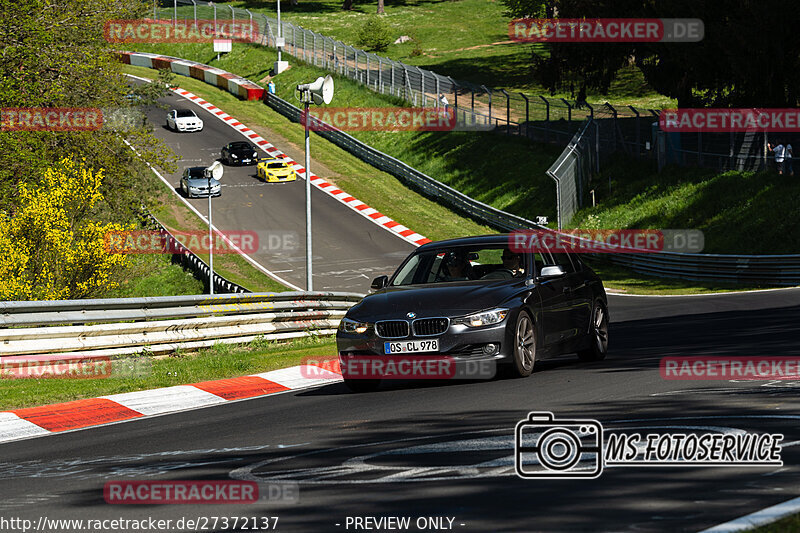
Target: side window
<point>540,260</point>
<point>564,261</point>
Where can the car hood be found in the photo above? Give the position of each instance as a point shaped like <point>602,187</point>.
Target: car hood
<point>201,182</point>
<point>187,119</point>
<point>443,299</point>
<point>278,171</point>
<point>243,152</point>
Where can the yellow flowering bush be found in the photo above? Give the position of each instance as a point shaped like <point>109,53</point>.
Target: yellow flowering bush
<point>49,248</point>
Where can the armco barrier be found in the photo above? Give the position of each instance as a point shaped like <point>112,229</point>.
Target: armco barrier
<point>770,270</point>
<point>236,85</point>
<point>80,328</point>
<point>189,260</point>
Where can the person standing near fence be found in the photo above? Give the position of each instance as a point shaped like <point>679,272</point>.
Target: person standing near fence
<point>779,152</point>
<point>787,159</point>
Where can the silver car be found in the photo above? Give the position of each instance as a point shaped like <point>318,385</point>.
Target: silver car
<point>195,184</point>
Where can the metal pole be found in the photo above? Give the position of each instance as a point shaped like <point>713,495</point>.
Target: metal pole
<point>155,13</point>
<point>194,6</point>
<point>215,18</point>
<point>527,113</point>
<point>175,13</point>
<point>211,242</point>
<point>279,29</point>
<point>309,282</point>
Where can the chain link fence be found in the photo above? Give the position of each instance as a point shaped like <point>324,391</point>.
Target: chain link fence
<point>538,117</point>
<point>573,170</point>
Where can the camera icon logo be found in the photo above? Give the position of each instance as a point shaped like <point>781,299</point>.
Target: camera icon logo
<point>546,448</point>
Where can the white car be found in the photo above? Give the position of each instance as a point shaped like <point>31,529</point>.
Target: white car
<point>184,120</point>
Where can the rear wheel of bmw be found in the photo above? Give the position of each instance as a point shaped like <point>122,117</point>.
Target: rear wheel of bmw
<point>524,346</point>
<point>598,333</point>
<point>362,385</point>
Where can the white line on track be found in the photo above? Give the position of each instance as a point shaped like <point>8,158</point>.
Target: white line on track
<point>758,518</point>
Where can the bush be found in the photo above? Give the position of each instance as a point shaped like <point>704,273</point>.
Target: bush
<point>375,35</point>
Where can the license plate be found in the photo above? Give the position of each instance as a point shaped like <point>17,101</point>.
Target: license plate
<point>411,346</point>
<point>245,160</point>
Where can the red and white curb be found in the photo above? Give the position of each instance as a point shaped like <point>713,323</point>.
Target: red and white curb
<point>353,203</point>
<point>79,414</point>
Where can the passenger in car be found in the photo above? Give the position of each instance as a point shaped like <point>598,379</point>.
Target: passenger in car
<point>513,262</point>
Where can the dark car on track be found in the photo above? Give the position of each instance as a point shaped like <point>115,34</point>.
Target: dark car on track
<point>239,153</point>
<point>479,300</point>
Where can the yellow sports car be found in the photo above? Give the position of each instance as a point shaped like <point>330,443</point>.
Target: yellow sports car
<point>275,170</point>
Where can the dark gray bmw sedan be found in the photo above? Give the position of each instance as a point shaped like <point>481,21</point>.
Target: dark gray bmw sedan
<point>478,299</point>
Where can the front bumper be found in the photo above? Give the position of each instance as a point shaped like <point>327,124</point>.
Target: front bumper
<point>187,128</point>
<point>459,342</point>
<point>243,161</point>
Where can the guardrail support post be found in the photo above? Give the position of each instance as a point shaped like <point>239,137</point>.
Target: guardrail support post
<point>569,109</point>
<point>547,116</point>
<point>488,92</point>
<point>508,111</point>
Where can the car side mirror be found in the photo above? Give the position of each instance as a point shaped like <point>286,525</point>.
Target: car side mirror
<point>552,272</point>
<point>379,282</point>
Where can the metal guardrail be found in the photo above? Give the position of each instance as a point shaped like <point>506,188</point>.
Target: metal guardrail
<point>770,270</point>
<point>422,182</point>
<point>189,260</point>
<point>118,327</point>
<point>747,269</point>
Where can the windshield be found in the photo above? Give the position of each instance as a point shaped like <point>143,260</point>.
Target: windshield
<point>196,172</point>
<point>185,113</point>
<point>240,146</point>
<point>444,265</point>
<point>275,165</point>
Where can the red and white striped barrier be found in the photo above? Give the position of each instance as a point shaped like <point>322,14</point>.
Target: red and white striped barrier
<point>236,85</point>
<point>48,419</point>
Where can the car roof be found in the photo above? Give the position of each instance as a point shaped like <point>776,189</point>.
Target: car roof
<point>479,240</point>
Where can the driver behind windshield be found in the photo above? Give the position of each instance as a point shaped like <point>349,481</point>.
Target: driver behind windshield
<point>457,267</point>
<point>513,262</point>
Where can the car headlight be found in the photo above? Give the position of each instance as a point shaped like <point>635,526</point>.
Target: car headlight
<point>486,318</point>
<point>234,156</point>
<point>352,326</point>
<point>255,154</point>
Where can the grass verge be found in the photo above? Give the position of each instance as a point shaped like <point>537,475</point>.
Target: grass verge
<point>738,212</point>
<point>466,40</point>
<point>218,362</point>
<point>389,196</point>
<point>790,524</point>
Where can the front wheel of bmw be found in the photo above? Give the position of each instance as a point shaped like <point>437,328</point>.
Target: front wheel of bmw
<point>524,346</point>
<point>598,333</point>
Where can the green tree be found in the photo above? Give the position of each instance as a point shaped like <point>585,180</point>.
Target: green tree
<point>749,57</point>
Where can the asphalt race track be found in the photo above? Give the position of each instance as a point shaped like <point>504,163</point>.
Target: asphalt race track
<point>445,449</point>
<point>348,248</point>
